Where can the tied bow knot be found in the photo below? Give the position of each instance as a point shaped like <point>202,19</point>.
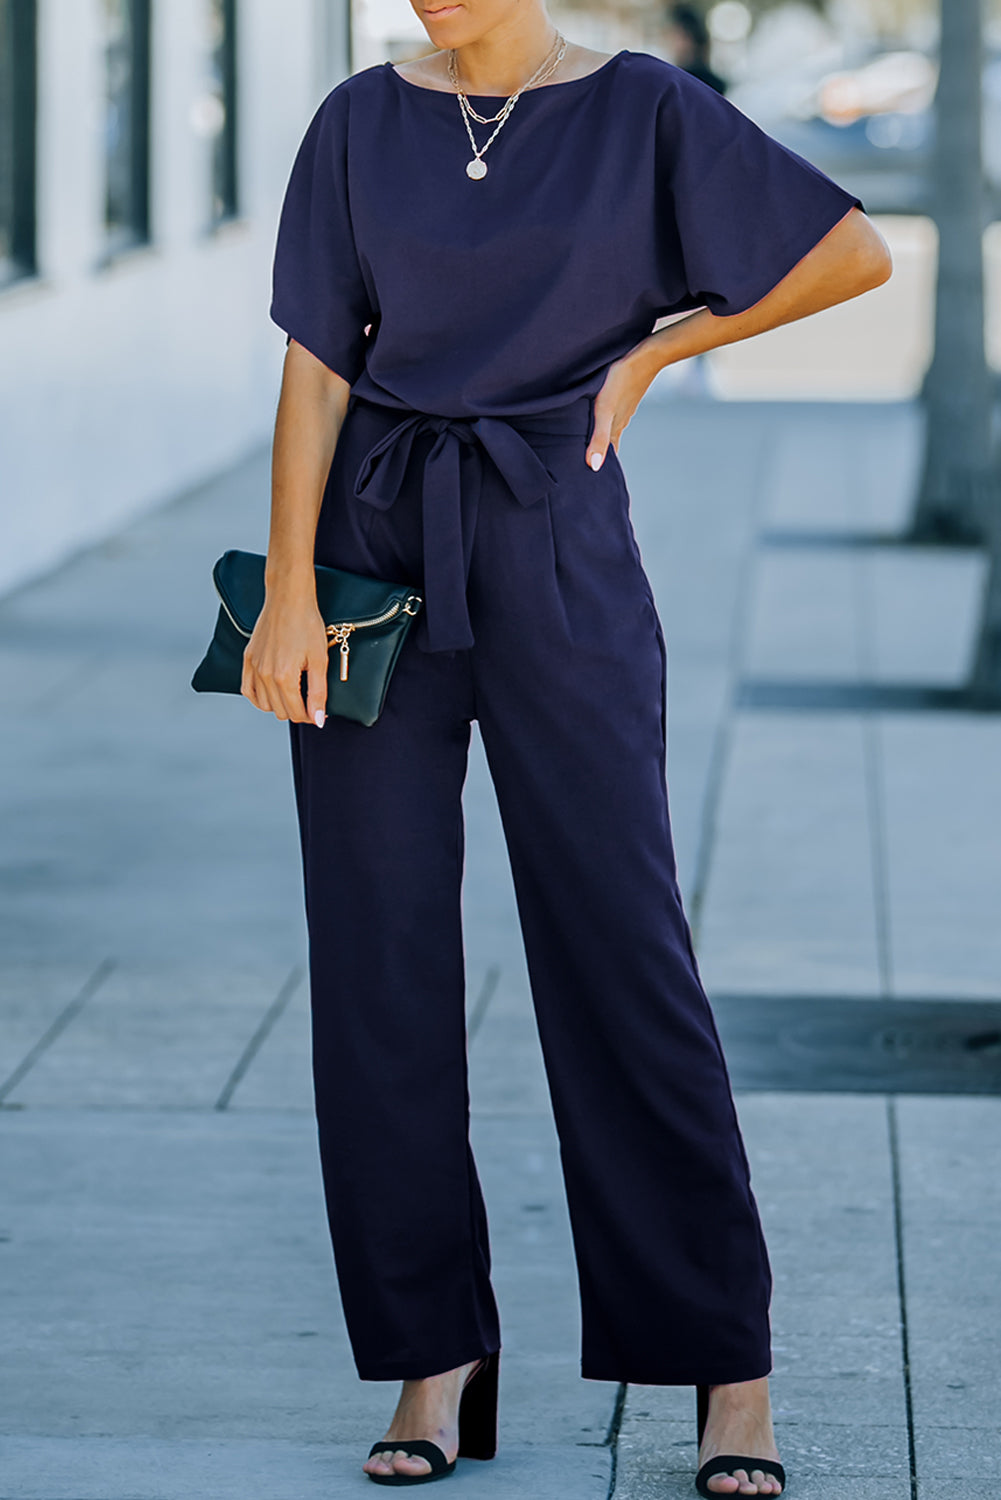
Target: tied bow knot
<point>448,512</point>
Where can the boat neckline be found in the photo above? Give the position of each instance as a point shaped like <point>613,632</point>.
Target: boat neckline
<point>564,83</point>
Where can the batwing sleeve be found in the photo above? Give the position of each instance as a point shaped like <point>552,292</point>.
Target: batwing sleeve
<point>319,294</point>
<point>738,210</point>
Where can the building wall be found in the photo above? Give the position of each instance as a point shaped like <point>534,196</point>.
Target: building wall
<point>122,385</point>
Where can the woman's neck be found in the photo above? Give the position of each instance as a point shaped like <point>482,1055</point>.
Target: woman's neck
<point>502,61</point>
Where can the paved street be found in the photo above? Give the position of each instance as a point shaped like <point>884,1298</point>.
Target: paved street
<point>168,1309</point>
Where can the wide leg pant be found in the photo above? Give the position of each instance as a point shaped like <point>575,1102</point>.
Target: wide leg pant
<point>566,679</point>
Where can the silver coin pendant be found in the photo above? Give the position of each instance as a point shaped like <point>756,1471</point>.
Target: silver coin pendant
<point>476,168</point>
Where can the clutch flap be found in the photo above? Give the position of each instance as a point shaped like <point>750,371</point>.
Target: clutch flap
<point>239,581</point>
<point>341,596</point>
<point>344,597</point>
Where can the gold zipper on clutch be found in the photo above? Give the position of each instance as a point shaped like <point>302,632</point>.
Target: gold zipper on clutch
<point>338,634</point>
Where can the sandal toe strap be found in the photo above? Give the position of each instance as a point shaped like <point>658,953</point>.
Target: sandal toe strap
<point>414,1448</point>
<point>725,1463</point>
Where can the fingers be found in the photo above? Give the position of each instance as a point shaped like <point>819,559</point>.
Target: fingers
<point>290,696</point>
<point>600,439</point>
<point>255,688</point>
<point>251,687</point>
<point>603,437</point>
<point>285,663</point>
<point>316,699</point>
<point>280,695</point>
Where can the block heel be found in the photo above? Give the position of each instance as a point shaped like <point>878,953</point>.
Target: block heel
<point>478,1410</point>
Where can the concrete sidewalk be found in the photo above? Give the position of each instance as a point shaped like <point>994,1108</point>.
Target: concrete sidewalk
<point>169,1312</point>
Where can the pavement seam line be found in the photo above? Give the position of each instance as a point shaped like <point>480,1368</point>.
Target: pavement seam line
<point>58,1026</point>
<point>260,1035</point>
<point>612,1436</point>
<point>898,1236</point>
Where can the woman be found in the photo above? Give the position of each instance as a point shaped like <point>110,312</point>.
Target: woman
<point>468,298</point>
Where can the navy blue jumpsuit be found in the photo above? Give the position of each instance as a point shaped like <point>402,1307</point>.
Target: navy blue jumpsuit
<point>475,321</point>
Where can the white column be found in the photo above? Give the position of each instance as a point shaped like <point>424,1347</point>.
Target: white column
<point>70,170</point>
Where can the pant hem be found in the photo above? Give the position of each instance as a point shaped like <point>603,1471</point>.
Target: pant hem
<point>411,1370</point>
<point>673,1377</point>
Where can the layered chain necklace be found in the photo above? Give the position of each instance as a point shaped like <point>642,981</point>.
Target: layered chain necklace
<point>477,167</point>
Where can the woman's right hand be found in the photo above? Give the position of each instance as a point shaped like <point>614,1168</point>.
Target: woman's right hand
<point>289,638</point>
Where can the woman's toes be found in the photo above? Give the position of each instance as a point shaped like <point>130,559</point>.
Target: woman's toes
<point>758,1482</point>
<point>396,1461</point>
<point>743,1483</point>
<point>409,1463</point>
<point>739,1482</point>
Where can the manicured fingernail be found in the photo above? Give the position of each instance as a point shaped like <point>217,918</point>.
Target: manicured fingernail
<point>318,718</point>
<point>595,460</point>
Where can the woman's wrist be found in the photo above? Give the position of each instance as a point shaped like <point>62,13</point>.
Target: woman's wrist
<point>675,341</point>
<point>647,358</point>
<point>288,580</point>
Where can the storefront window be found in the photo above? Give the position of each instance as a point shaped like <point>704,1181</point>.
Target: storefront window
<point>126,138</point>
<point>17,139</point>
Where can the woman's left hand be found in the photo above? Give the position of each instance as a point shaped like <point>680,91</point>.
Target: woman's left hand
<point>626,380</point>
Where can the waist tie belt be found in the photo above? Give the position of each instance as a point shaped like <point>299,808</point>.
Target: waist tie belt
<point>448,516</point>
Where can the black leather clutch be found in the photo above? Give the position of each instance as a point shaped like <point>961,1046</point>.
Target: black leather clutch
<point>366,618</point>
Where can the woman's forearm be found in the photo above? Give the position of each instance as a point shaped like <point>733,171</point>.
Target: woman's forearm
<point>852,258</point>
<point>289,637</point>
<point>311,409</point>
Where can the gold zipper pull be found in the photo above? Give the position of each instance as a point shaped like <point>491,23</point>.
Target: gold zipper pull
<point>338,635</point>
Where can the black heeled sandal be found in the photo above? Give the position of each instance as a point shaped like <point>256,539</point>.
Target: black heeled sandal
<point>725,1463</point>
<point>477,1429</point>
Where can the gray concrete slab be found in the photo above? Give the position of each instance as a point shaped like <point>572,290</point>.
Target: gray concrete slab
<point>790,905</point>
<point>804,621</point>
<point>921,611</point>
<point>508,1031</point>
<point>156,1038</point>
<point>821,1172</point>
<point>221,1469</point>
<point>138,817</point>
<point>873,615</point>
<point>842,464</point>
<point>943,840</point>
<point>174,1280</point>
<point>964,1456</point>
<point>694,507</point>
<point>837,1382</point>
<point>278,1075</point>
<point>950,1170</point>
<point>824,1191</point>
<point>36,998</point>
<point>821,1460</point>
